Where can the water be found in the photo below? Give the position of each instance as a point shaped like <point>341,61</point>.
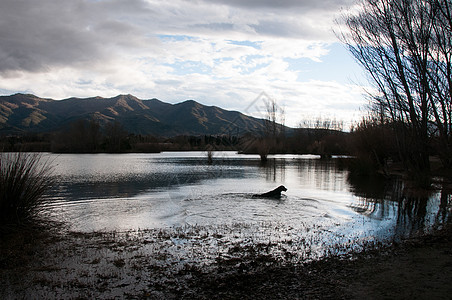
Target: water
<point>166,190</point>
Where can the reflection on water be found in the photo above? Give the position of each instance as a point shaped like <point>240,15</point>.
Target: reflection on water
<point>130,191</point>
<point>410,209</point>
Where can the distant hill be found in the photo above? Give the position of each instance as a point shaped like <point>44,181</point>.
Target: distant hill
<point>22,113</point>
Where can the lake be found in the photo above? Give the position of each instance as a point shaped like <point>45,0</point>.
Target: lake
<point>106,192</point>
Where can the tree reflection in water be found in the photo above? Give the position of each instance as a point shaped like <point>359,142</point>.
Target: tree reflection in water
<point>416,210</point>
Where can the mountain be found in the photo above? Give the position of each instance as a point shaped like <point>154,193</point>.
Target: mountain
<point>21,113</point>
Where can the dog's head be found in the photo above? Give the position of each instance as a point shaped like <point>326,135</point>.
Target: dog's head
<point>282,188</point>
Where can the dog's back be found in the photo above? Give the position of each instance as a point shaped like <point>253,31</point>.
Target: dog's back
<point>276,193</point>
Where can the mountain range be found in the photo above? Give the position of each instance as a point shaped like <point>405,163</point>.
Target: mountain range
<point>23,113</point>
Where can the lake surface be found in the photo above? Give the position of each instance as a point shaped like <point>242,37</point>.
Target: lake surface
<point>175,189</point>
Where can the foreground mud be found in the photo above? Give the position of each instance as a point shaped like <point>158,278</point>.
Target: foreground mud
<point>203,264</point>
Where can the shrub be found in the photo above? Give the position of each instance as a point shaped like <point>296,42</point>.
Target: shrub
<point>24,178</point>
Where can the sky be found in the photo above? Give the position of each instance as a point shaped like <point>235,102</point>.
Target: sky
<point>224,53</point>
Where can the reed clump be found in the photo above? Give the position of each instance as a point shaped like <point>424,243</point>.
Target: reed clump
<point>24,179</point>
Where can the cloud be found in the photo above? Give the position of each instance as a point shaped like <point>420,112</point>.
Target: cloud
<point>287,4</point>
<point>218,52</point>
<point>81,33</point>
<point>36,37</point>
<point>307,19</point>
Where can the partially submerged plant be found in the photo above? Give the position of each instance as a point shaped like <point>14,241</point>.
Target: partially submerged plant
<point>24,178</point>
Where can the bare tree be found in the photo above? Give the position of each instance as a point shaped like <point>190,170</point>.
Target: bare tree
<point>274,120</point>
<point>405,47</point>
<point>440,76</point>
<point>322,123</point>
<point>274,129</point>
<point>271,128</point>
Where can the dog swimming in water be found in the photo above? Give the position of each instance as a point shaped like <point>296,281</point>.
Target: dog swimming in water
<point>276,193</point>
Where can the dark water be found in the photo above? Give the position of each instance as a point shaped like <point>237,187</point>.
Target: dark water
<point>142,191</point>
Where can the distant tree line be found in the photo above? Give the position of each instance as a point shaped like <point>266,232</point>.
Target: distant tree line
<point>88,136</point>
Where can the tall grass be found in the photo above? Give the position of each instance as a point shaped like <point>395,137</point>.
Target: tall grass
<point>24,178</point>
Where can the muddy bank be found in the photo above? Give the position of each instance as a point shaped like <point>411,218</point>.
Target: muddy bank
<point>163,264</point>
<point>418,268</point>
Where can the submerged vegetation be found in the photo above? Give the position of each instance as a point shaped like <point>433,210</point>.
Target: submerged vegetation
<point>24,178</point>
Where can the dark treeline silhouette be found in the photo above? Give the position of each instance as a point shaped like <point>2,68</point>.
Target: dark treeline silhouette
<point>27,142</point>
<point>83,136</point>
<point>324,142</point>
<point>377,148</point>
<point>88,136</point>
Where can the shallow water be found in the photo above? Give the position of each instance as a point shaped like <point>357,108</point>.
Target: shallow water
<point>147,191</point>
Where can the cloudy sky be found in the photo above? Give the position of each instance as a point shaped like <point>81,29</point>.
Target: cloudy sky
<point>217,52</point>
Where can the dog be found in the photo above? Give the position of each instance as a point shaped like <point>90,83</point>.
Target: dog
<point>276,193</point>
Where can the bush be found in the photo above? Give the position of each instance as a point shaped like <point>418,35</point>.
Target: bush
<point>24,178</point>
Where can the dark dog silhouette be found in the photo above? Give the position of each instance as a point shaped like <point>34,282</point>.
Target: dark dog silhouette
<point>276,193</point>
